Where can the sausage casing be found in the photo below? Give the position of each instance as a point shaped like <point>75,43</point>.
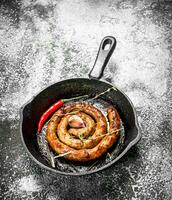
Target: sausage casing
<point>94,143</point>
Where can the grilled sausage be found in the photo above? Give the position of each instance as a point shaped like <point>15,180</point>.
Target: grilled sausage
<point>101,127</point>
<point>94,145</point>
<point>87,130</point>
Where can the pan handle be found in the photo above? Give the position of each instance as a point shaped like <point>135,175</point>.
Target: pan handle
<point>106,49</point>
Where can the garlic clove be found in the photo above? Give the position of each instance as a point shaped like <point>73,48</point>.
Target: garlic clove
<point>76,122</point>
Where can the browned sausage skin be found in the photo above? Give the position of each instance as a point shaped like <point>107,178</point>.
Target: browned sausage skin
<point>87,130</point>
<point>101,127</point>
<point>91,147</point>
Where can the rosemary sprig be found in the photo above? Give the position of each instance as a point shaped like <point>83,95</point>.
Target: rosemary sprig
<point>102,93</point>
<point>51,157</point>
<point>108,133</point>
<point>81,136</point>
<point>52,161</point>
<point>89,168</point>
<point>70,113</point>
<point>62,154</point>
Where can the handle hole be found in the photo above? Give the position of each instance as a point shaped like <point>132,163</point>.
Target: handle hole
<point>107,44</point>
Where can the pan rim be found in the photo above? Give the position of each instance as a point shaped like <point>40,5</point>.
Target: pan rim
<point>131,144</point>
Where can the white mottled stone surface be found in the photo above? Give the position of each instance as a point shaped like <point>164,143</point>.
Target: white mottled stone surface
<point>45,41</point>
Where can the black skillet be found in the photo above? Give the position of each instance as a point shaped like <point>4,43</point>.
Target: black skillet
<point>34,108</point>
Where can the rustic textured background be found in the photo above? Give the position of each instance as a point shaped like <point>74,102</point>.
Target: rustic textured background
<point>45,41</point>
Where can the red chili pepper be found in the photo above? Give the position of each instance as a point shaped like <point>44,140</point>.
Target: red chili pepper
<point>52,109</point>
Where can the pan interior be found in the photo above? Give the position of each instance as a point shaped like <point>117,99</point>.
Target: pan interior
<point>74,167</point>
<point>37,144</point>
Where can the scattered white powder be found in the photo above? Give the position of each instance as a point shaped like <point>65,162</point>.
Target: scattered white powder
<point>43,44</point>
<point>63,43</point>
<point>28,184</point>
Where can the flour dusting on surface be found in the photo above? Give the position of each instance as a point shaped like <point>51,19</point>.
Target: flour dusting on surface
<point>28,184</point>
<point>42,42</point>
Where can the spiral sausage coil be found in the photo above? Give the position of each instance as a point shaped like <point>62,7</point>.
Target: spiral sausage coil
<point>86,143</point>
